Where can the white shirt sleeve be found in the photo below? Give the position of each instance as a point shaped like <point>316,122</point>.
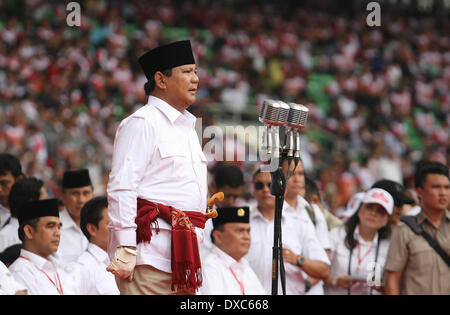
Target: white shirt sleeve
<point>132,149</point>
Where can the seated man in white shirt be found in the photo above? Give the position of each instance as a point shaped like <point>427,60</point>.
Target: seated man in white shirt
<point>77,190</point>
<point>226,271</point>
<point>302,251</point>
<point>36,268</point>
<point>23,190</point>
<point>94,224</point>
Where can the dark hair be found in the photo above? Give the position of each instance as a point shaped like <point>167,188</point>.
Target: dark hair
<point>33,223</point>
<point>352,223</point>
<point>311,189</point>
<point>23,191</point>
<point>230,175</point>
<point>92,213</point>
<point>150,85</point>
<point>9,163</point>
<point>428,167</point>
<point>218,228</point>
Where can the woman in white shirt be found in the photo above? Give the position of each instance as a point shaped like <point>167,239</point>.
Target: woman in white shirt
<point>359,248</point>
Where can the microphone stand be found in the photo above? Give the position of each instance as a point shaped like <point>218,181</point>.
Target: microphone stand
<point>278,188</point>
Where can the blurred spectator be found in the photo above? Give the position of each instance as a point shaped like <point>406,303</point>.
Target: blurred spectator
<point>361,242</point>
<point>23,190</point>
<point>94,221</point>
<point>413,266</point>
<point>76,191</point>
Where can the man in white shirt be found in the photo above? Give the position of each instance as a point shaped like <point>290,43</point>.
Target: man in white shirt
<point>77,190</point>
<point>296,205</point>
<point>23,190</point>
<point>159,175</point>
<point>10,172</point>
<point>94,224</point>
<point>36,268</point>
<point>226,271</point>
<point>302,250</point>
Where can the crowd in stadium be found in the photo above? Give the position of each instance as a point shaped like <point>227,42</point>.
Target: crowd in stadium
<point>378,97</point>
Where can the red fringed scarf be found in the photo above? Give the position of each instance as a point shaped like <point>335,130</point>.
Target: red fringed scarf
<point>186,265</point>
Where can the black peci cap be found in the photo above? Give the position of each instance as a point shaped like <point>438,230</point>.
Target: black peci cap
<point>166,57</point>
<point>38,208</point>
<point>76,179</point>
<point>232,214</point>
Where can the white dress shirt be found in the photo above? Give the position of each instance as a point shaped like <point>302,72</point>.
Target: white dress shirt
<point>223,275</point>
<point>361,263</point>
<point>42,276</point>
<point>297,236</point>
<point>73,242</point>
<point>320,227</point>
<point>8,285</point>
<point>157,157</point>
<point>9,235</point>
<point>95,280</point>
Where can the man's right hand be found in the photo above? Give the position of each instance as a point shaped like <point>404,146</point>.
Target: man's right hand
<point>122,266</point>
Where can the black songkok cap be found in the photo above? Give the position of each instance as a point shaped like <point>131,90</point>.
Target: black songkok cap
<point>166,57</point>
<point>38,208</point>
<point>76,179</point>
<point>397,191</point>
<point>232,214</point>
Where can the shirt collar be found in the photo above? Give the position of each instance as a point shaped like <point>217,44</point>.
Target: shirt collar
<point>66,220</point>
<point>361,240</point>
<point>172,114</point>
<point>40,262</point>
<point>229,261</point>
<point>422,216</point>
<point>98,253</point>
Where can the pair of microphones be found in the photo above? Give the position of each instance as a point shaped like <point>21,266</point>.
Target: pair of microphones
<point>275,114</point>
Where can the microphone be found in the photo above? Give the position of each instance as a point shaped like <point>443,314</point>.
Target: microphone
<point>298,115</point>
<point>273,114</point>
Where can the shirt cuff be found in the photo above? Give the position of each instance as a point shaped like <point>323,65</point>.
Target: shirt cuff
<point>125,237</point>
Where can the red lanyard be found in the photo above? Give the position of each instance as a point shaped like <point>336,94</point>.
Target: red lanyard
<point>240,283</point>
<point>360,259</point>
<point>60,289</point>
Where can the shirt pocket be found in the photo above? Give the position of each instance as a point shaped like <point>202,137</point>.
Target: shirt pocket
<point>174,159</point>
<point>421,255</point>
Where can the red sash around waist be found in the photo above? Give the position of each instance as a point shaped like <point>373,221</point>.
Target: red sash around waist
<point>186,265</point>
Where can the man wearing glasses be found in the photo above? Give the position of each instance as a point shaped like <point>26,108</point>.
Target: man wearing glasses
<point>302,243</point>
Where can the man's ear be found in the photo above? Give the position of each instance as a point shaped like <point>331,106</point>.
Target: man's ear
<point>160,80</point>
<point>91,228</point>
<point>217,237</point>
<point>419,191</point>
<point>28,231</point>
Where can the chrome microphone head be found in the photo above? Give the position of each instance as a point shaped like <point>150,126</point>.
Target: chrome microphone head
<point>303,116</point>
<point>283,113</point>
<point>269,112</point>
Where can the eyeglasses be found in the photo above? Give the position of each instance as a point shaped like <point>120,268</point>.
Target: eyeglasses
<point>260,185</point>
